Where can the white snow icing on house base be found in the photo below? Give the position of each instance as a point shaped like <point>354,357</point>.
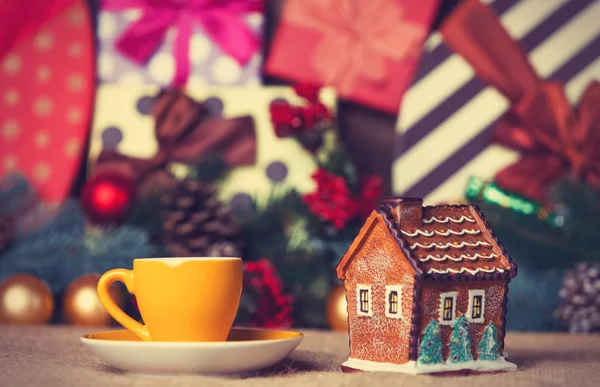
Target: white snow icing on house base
<point>413,368</point>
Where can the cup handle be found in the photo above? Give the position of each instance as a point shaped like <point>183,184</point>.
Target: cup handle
<point>125,276</point>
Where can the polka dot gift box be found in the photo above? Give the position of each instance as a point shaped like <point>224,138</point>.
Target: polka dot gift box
<point>46,91</point>
<point>123,122</point>
<point>170,42</point>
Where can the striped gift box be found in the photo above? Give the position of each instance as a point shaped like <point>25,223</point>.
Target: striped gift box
<point>445,124</point>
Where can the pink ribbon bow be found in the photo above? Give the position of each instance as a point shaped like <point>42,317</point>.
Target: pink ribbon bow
<point>358,37</point>
<point>220,19</point>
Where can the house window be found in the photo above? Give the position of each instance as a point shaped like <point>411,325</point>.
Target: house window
<point>393,300</point>
<point>476,306</point>
<point>476,312</point>
<point>448,304</point>
<point>363,300</point>
<point>447,308</point>
<point>393,304</point>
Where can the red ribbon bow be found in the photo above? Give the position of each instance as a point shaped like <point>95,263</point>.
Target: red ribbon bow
<point>556,140</point>
<point>186,133</point>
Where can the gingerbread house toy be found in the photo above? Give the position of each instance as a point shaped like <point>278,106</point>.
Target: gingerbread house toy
<point>426,290</point>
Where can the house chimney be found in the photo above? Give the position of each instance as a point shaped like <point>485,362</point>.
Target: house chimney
<point>407,212</point>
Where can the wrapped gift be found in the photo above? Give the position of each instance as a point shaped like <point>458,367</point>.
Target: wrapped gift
<point>366,49</point>
<point>166,42</point>
<point>234,121</point>
<point>487,108</point>
<point>46,91</point>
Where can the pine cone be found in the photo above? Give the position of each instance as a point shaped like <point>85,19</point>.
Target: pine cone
<point>197,224</point>
<point>7,232</point>
<point>580,294</point>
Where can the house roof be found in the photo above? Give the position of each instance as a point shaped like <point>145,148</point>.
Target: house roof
<point>448,242</point>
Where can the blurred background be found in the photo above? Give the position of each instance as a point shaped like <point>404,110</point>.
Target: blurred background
<point>269,129</point>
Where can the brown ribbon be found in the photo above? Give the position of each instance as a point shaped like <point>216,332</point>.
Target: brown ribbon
<point>555,139</point>
<point>186,133</point>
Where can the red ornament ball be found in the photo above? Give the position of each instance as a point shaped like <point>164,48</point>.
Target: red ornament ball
<point>107,197</point>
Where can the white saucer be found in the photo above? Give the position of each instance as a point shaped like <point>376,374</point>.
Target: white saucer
<point>246,350</point>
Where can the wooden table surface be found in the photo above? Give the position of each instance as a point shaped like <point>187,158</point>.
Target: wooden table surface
<point>48,356</point>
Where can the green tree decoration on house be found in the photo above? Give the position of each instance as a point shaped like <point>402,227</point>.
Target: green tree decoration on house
<point>431,345</point>
<point>488,346</point>
<point>460,342</point>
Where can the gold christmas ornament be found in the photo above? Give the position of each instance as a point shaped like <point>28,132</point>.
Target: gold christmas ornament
<point>335,311</point>
<point>25,299</point>
<point>81,305</point>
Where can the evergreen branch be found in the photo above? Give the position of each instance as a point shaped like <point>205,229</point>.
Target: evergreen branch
<point>212,168</point>
<point>533,242</point>
<point>16,194</point>
<point>65,249</point>
<point>277,231</point>
<point>264,227</point>
<point>146,214</point>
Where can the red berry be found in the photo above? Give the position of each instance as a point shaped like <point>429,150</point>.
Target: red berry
<point>331,201</point>
<point>308,91</point>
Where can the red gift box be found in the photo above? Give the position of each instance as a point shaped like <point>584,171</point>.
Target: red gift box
<point>46,91</point>
<point>366,49</point>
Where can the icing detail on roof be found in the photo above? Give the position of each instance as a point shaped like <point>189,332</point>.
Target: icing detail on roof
<point>443,233</point>
<point>448,219</point>
<point>464,269</point>
<point>457,259</point>
<point>448,245</point>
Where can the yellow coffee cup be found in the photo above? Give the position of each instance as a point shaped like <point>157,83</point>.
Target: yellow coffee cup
<point>180,299</point>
